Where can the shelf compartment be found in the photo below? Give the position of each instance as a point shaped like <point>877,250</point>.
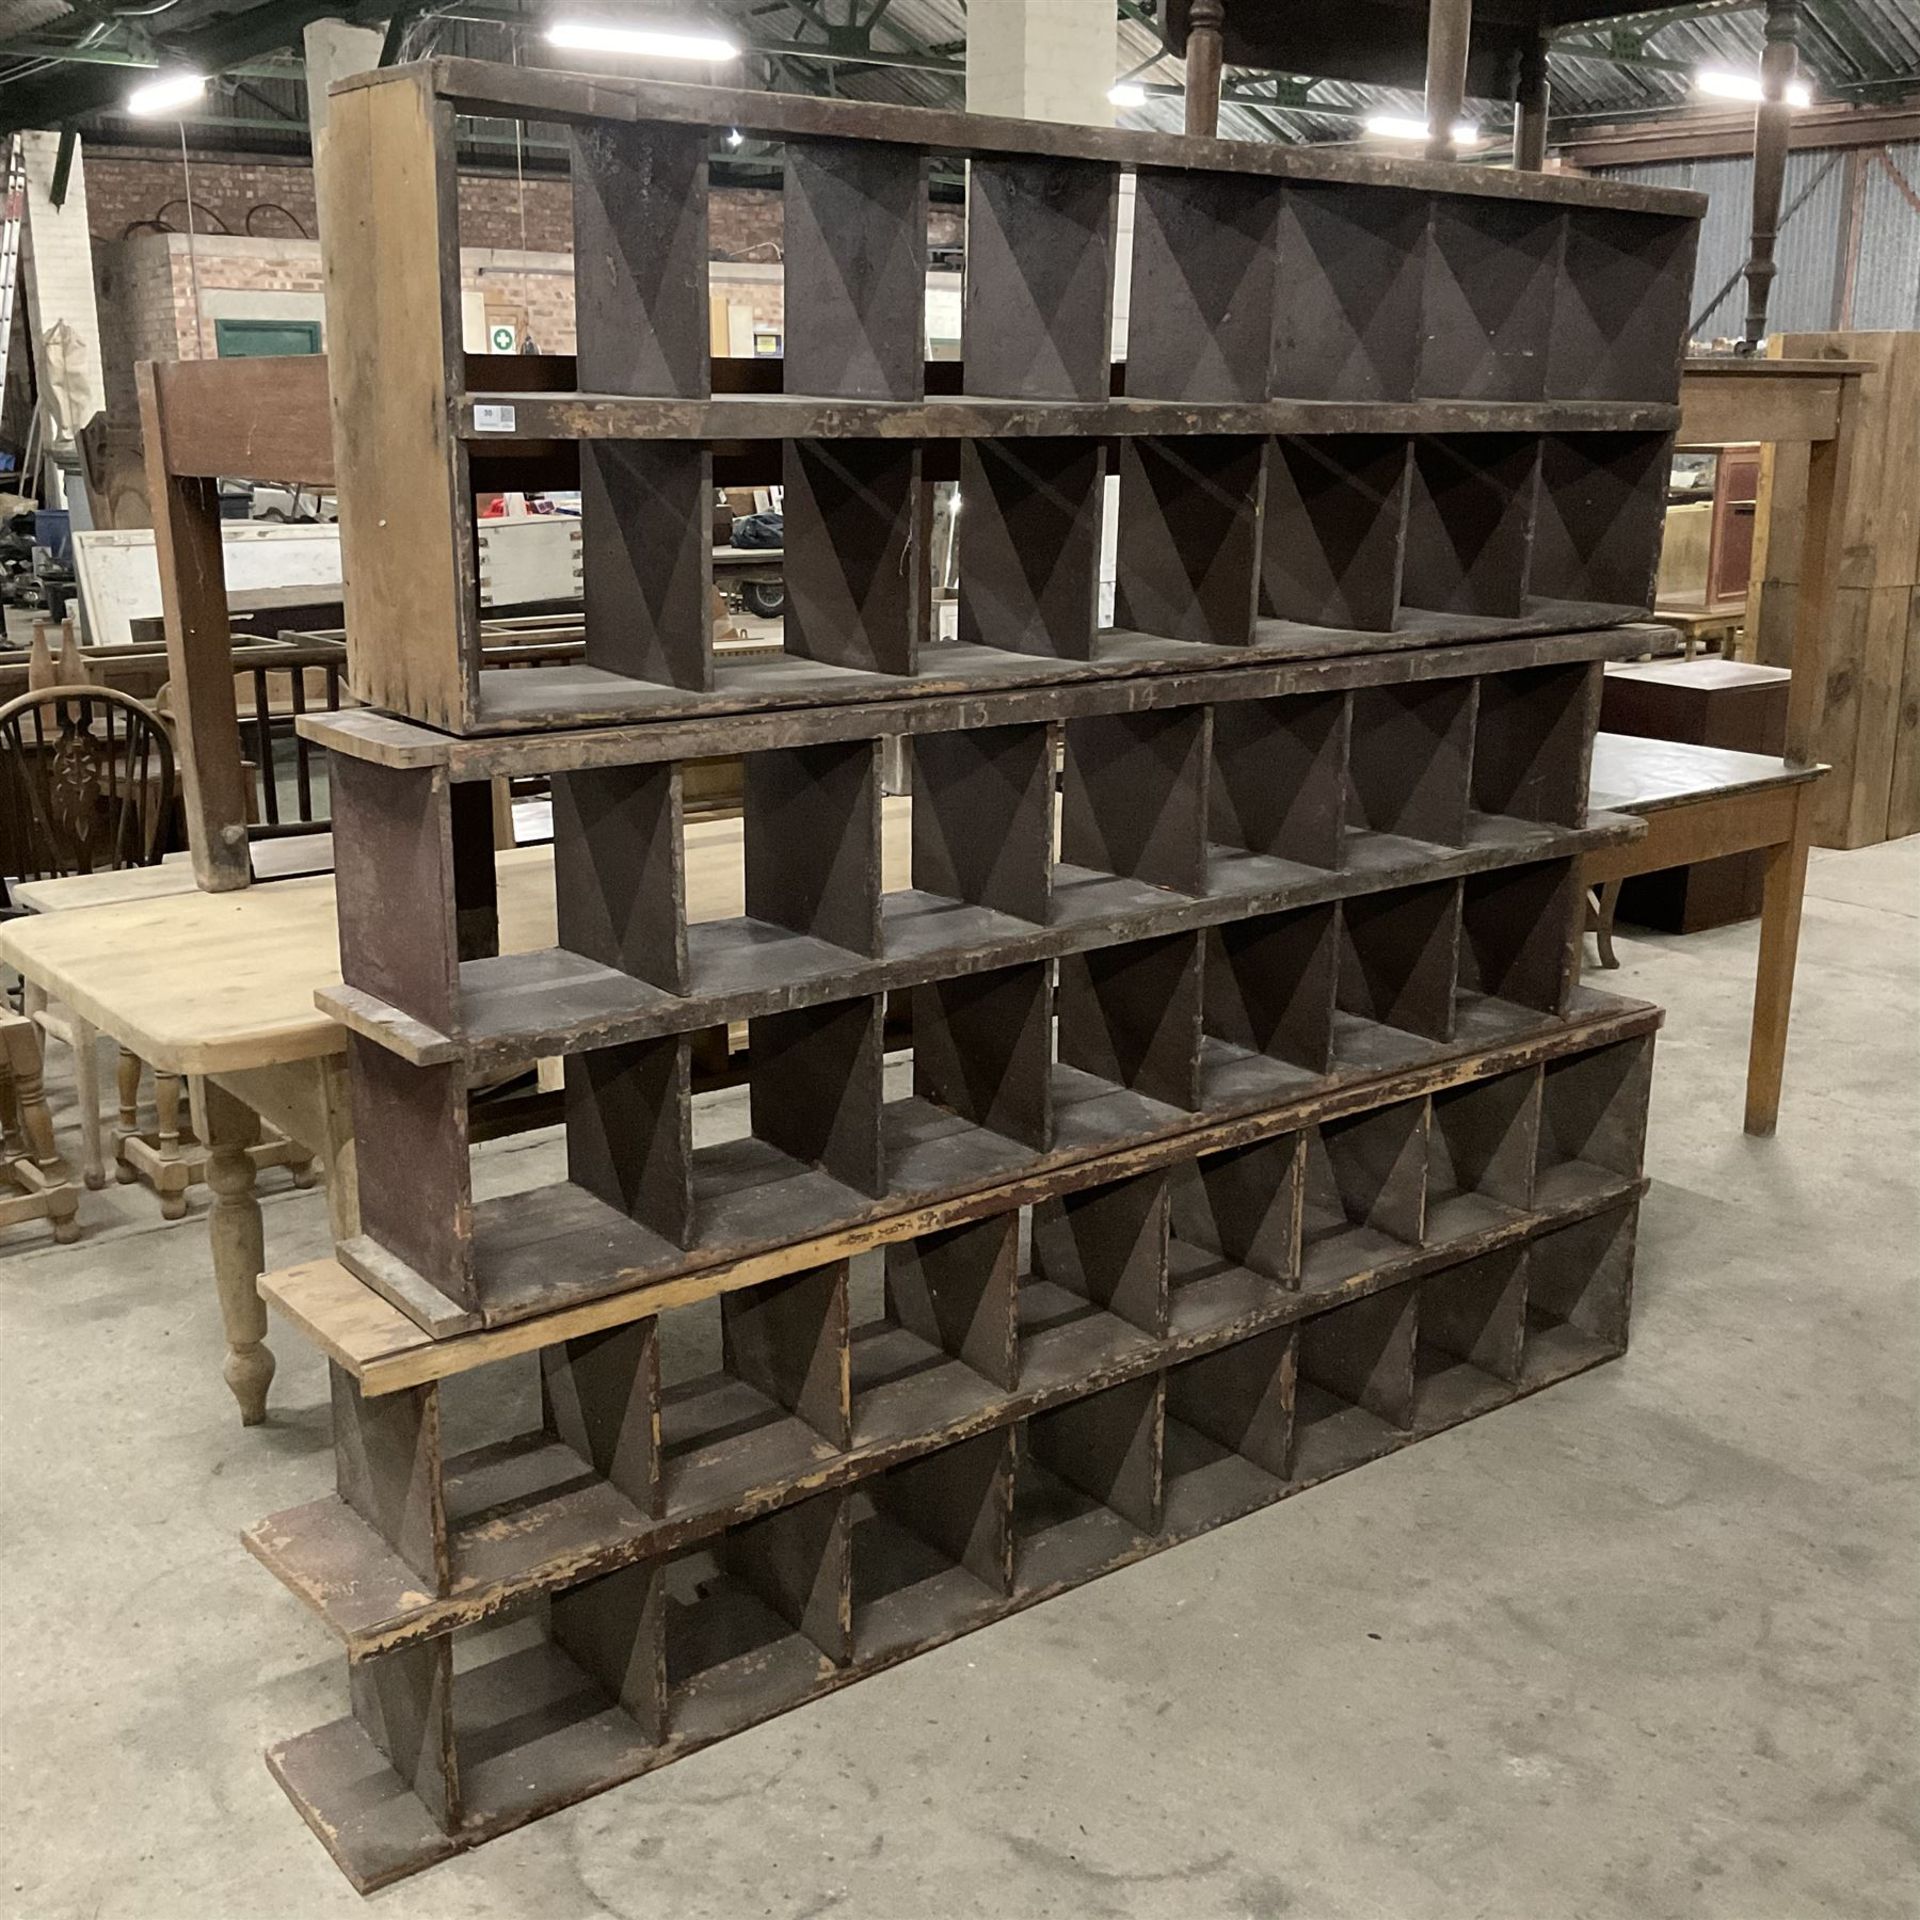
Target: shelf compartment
<point>983,1049</point>
<point>854,250</point>
<point>777,1405</point>
<point>1268,1003</point>
<point>1399,951</point>
<point>1472,1321</point>
<point>1229,1431</point>
<point>983,817</point>
<point>1519,932</point>
<point>1088,1485</point>
<point>1279,781</point>
<point>1533,743</point>
<point>1350,264</point>
<point>1134,796</point>
<point>620,880</point>
<point>1039,285</point>
<point>811,837</point>
<point>1411,759</point>
<point>1131,1015</point>
<point>640,253</point>
<point>1489,300</point>
<point>947,1340</point>
<point>1620,318</point>
<point>933,1546</point>
<point>1602,507</point>
<point>1353,1397</point>
<point>1481,1151</point>
<point>1334,530</point>
<point>1593,1120</point>
<point>1234,1246</point>
<point>646,561</point>
<point>1469,524</point>
<point>1579,1295</point>
<point>759,1618</point>
<point>1029,545</point>
<point>1363,1192</point>
<point>1097,1285</point>
<point>1201,304</point>
<point>851,563</point>
<point>1188,547</point>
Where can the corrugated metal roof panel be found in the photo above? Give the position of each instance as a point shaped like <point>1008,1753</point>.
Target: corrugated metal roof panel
<point>1807,291</point>
<point>1886,284</point>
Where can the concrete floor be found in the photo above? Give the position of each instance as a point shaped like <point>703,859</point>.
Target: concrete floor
<point>1642,1646</point>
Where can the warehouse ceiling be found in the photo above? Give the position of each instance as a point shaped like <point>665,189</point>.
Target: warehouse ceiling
<point>63,64</point>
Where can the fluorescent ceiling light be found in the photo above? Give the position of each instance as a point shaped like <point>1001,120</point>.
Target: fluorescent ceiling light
<point>1393,126</point>
<point>735,138</point>
<point>165,93</point>
<point>1123,93</point>
<point>655,43</point>
<point>1746,86</point>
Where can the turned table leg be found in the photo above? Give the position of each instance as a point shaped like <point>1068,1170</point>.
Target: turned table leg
<point>127,1082</point>
<point>86,1093</point>
<point>239,1249</point>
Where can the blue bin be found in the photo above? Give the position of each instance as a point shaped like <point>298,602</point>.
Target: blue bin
<point>53,529</point>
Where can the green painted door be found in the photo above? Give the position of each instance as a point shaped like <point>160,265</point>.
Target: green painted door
<point>249,339</point>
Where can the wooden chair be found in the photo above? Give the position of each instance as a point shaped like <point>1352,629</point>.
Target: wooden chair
<point>87,784</point>
<point>42,1182</point>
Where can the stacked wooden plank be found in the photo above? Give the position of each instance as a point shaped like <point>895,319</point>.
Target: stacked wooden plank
<point>1249,1122</point>
<point>1866,707</point>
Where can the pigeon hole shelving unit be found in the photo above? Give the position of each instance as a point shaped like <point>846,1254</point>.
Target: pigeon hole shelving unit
<point>1254,1124</point>
<point>732,1495</point>
<point>1244,884</point>
<point>1368,403</point>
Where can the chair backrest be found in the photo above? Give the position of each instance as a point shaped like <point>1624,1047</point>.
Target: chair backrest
<point>86,783</point>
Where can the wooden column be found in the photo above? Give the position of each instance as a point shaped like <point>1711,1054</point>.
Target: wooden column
<point>1449,26</point>
<point>1777,64</point>
<point>1531,99</point>
<point>1206,20</point>
<point>193,600</point>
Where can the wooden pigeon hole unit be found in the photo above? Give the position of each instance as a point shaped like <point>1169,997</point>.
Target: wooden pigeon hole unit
<point>1368,402</point>
<point>1253,1123</point>
<point>663,1523</point>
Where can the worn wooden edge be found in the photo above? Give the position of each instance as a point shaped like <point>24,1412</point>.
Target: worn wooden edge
<point>427,1845</point>
<point>295,1545</point>
<point>1744,366</point>
<point>386,1351</point>
<point>397,1283</point>
<point>1060,690</point>
<point>549,93</point>
<point>1696,828</point>
<point>790,416</point>
<point>417,1043</point>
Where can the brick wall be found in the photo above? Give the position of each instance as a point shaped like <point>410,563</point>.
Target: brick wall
<point>126,188</point>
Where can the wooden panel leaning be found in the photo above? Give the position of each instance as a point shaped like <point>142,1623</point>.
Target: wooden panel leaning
<point>1342,370</point>
<point>1248,884</point>
<point>738,1494</point>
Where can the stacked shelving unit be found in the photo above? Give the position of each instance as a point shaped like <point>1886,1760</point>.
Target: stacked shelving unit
<point>1254,1122</point>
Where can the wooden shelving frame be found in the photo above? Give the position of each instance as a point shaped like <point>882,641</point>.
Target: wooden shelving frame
<point>1238,887</point>
<point>1360,394</point>
<point>901,1436</point>
<point>1212,1110</point>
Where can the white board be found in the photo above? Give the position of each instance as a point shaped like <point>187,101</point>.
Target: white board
<point>119,578</point>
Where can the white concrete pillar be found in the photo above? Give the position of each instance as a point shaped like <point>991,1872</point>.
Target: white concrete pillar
<point>62,315</point>
<point>1054,60</point>
<point>334,51</point>
<point>1042,59</point>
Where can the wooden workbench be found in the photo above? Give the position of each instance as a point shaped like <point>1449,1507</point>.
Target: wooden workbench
<point>1701,803</point>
